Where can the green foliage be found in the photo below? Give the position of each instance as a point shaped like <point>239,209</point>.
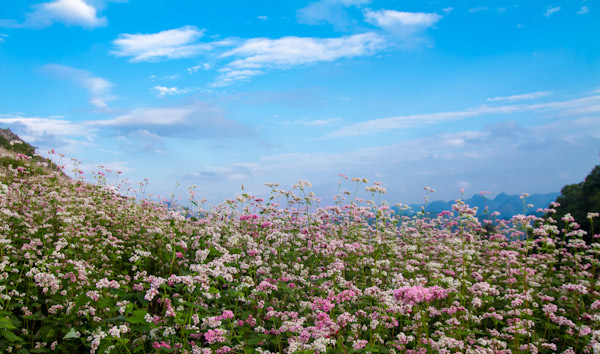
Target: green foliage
<point>6,136</point>
<point>579,199</point>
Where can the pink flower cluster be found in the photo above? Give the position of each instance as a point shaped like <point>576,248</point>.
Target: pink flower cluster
<point>418,294</point>
<point>162,344</point>
<point>215,336</point>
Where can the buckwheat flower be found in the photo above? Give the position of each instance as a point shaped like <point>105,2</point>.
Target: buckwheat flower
<point>150,294</point>
<point>93,294</point>
<point>549,308</point>
<point>114,332</point>
<point>359,344</point>
<point>215,336</point>
<point>211,322</point>
<point>301,184</point>
<point>105,283</point>
<point>227,314</point>
<point>575,288</point>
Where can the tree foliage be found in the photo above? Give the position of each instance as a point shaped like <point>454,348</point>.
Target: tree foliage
<point>579,199</point>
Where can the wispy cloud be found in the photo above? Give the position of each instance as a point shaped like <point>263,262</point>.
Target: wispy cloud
<point>97,87</point>
<point>526,96</point>
<point>2,36</point>
<point>162,91</point>
<point>329,12</point>
<point>193,69</point>
<point>583,10</point>
<point>51,132</point>
<point>169,44</point>
<point>291,51</point>
<point>400,22</point>
<point>68,12</point>
<point>142,140</point>
<point>229,76</point>
<point>259,54</point>
<point>197,120</point>
<point>233,172</point>
<point>551,10</point>
<point>497,153</point>
<point>402,122</point>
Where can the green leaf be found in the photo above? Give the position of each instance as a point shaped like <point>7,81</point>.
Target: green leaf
<point>213,290</point>
<point>71,334</point>
<point>12,337</point>
<point>135,320</point>
<point>47,332</point>
<point>6,323</point>
<point>213,252</point>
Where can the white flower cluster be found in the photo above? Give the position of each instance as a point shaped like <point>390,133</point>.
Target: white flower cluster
<point>3,188</point>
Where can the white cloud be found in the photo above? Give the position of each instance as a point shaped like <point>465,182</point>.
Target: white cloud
<point>148,116</point>
<point>233,172</point>
<point>193,69</point>
<point>550,10</point>
<point>263,18</point>
<point>229,76</point>
<point>68,12</point>
<point>401,22</point>
<point>569,107</point>
<point>162,91</point>
<point>98,88</point>
<point>290,51</point>
<point>584,10</point>
<point>502,158</point>
<point>50,132</point>
<point>329,11</point>
<point>169,44</point>
<point>526,96</point>
<point>196,120</point>
<point>2,36</point>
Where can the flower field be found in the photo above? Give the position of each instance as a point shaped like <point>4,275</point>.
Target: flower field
<point>85,269</point>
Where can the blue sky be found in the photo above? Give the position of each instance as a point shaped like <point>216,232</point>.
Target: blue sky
<point>499,96</point>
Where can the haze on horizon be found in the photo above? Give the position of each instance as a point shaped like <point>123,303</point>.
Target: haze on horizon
<point>493,96</point>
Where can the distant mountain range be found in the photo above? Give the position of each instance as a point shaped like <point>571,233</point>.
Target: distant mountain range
<point>506,205</point>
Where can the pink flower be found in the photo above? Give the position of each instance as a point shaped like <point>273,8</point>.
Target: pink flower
<point>214,336</point>
<point>227,314</point>
<point>418,294</point>
<point>359,344</point>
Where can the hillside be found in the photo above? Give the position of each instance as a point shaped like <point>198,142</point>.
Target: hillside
<point>11,144</point>
<point>86,270</point>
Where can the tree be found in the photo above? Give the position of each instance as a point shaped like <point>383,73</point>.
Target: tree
<point>579,199</point>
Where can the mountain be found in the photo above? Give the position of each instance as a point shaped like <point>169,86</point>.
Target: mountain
<point>506,205</point>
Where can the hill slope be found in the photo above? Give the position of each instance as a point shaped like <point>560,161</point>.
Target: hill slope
<point>86,270</point>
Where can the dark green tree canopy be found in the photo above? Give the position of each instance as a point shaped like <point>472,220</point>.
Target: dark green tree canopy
<point>579,199</point>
